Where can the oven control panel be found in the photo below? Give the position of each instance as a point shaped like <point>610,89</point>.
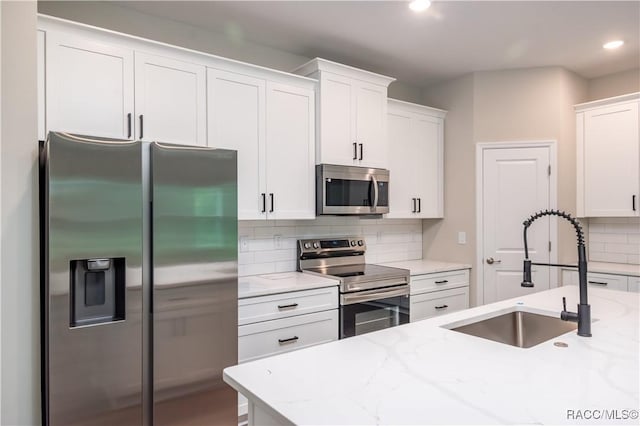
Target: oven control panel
<point>328,245</point>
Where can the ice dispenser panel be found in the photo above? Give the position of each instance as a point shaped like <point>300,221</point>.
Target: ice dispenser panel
<point>97,290</point>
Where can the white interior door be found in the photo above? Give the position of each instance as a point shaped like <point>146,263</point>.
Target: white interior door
<point>236,117</point>
<point>290,145</point>
<point>515,184</point>
<point>171,99</point>
<point>89,87</point>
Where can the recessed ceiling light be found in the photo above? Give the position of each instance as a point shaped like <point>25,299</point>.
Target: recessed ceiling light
<point>612,44</point>
<point>419,5</point>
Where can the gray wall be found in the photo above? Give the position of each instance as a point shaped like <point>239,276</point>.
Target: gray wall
<point>18,219</point>
<point>494,106</point>
<point>614,84</point>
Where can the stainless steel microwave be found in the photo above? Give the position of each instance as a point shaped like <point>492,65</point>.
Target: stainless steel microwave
<point>348,190</point>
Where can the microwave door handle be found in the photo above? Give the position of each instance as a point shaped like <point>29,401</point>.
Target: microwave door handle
<point>375,192</point>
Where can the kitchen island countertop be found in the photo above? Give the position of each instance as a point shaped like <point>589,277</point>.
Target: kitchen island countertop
<point>424,373</point>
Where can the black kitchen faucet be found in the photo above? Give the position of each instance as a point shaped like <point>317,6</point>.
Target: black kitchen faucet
<point>583,316</point>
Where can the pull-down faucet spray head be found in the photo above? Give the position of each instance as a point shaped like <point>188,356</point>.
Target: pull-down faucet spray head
<point>526,278</point>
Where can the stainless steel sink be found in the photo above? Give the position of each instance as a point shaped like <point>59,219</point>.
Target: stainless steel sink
<point>518,328</point>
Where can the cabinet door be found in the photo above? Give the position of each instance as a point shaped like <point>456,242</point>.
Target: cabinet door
<point>236,117</point>
<point>404,165</point>
<point>634,284</point>
<point>290,144</point>
<point>89,87</point>
<point>611,161</point>
<point>170,100</point>
<point>427,137</point>
<point>371,125</point>
<point>337,121</point>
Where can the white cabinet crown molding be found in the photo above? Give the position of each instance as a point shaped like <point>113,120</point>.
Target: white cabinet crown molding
<point>417,108</point>
<point>319,64</point>
<point>607,101</point>
<point>50,23</point>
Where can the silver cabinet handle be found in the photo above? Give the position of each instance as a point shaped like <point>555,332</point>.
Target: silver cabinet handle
<point>597,282</point>
<point>375,191</point>
<point>491,261</point>
<point>289,340</point>
<point>442,307</point>
<point>289,306</point>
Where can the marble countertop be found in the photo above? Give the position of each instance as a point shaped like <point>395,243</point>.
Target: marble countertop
<point>423,373</point>
<point>425,266</point>
<point>262,285</point>
<point>614,268</point>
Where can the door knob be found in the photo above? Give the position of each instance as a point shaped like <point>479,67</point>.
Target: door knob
<point>491,261</point>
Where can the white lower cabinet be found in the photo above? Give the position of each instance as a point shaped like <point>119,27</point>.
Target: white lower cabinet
<point>634,284</point>
<point>599,280</point>
<point>438,293</point>
<point>274,324</point>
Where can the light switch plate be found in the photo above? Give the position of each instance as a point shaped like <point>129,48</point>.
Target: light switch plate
<point>244,243</point>
<point>462,237</point>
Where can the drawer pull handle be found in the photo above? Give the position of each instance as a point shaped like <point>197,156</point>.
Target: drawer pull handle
<point>442,307</point>
<point>442,282</point>
<point>289,340</point>
<point>597,283</point>
<point>292,305</point>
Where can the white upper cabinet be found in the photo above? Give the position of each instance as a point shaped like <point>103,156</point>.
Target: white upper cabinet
<point>290,148</point>
<point>351,119</point>
<point>416,157</point>
<point>608,157</point>
<point>42,132</point>
<point>170,100</point>
<point>271,125</point>
<point>89,86</point>
<point>236,117</point>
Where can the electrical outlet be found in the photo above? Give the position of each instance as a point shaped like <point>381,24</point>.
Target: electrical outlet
<point>277,241</point>
<point>244,243</point>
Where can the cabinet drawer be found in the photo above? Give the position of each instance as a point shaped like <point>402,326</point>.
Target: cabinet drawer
<point>283,335</point>
<point>634,284</point>
<point>264,308</point>
<point>439,281</point>
<point>610,281</point>
<point>438,302</point>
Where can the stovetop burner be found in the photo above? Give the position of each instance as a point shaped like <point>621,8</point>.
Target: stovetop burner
<point>343,259</point>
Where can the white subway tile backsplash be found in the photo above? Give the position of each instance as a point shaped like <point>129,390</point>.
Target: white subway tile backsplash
<point>614,240</point>
<point>607,238</point>
<point>387,240</point>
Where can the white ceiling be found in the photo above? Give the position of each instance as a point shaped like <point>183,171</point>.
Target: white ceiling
<point>450,39</point>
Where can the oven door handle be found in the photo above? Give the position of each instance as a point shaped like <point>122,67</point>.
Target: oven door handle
<point>375,192</point>
<point>368,296</point>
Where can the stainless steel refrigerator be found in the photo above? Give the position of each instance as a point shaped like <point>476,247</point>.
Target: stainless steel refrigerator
<point>139,282</point>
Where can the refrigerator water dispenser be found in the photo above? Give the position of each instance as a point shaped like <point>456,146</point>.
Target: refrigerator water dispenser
<point>97,291</point>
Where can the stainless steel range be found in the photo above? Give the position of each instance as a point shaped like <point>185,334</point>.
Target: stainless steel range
<point>372,297</point>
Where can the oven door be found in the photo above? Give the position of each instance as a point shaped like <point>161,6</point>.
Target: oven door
<point>347,190</point>
<point>365,311</point>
